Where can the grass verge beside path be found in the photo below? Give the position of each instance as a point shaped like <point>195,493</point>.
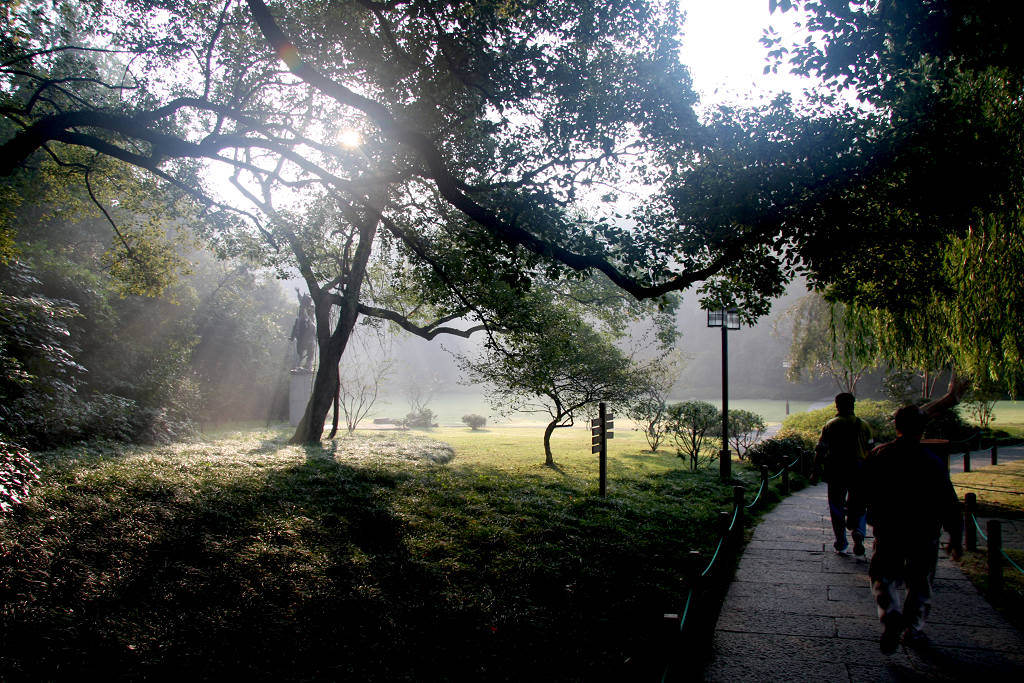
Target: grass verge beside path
<point>368,559</point>
<point>1000,493</point>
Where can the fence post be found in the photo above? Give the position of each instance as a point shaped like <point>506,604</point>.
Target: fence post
<point>995,562</point>
<point>723,522</point>
<point>785,478</point>
<point>740,503</point>
<point>995,454</point>
<point>967,461</point>
<point>971,531</point>
<point>764,477</point>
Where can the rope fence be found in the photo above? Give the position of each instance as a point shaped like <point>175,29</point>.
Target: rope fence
<point>731,534</point>
<point>732,526</point>
<point>994,540</point>
<point>974,443</point>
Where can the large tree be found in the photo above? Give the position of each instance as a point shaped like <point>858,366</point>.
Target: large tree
<point>496,130</point>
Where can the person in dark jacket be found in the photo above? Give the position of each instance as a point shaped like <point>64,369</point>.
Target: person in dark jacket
<point>906,491</point>
<point>840,452</point>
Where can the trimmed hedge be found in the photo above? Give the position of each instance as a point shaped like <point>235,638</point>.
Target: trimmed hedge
<point>807,426</point>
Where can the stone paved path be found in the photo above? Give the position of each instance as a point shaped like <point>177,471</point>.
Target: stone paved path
<point>797,611</point>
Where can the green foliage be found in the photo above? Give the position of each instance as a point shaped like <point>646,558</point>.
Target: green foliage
<point>777,452</point>
<point>807,426</point>
<point>898,386</point>
<point>334,557</point>
<point>82,358</point>
<point>829,340</point>
<point>648,412</point>
<point>557,363</point>
<point>689,423</point>
<point>980,403</point>
<point>745,428</point>
<point>18,473</point>
<point>474,421</point>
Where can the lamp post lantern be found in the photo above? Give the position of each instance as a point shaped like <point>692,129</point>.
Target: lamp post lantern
<point>727,319</point>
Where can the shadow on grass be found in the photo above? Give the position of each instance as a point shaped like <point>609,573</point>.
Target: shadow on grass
<point>293,575</point>
<point>321,570</point>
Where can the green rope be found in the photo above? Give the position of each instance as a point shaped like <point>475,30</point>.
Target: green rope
<point>682,623</point>
<point>713,558</point>
<point>980,531</point>
<point>686,610</point>
<point>1010,560</point>
<point>721,542</point>
<point>787,467</point>
<point>758,496</point>
<point>1001,550</point>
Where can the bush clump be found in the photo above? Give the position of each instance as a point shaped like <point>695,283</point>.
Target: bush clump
<point>474,421</point>
<point>18,473</point>
<point>420,419</point>
<point>807,426</point>
<point>777,452</point>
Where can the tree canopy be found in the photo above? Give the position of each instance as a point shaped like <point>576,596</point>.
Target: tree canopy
<point>493,141</point>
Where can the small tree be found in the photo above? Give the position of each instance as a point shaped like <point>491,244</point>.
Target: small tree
<point>648,409</point>
<point>474,422</point>
<point>360,379</point>
<point>689,423</point>
<point>559,366</point>
<point>745,429</point>
<point>980,404</point>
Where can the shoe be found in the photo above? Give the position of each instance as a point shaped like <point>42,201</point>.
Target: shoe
<point>915,639</point>
<point>858,545</point>
<point>893,628</point>
<point>840,550</point>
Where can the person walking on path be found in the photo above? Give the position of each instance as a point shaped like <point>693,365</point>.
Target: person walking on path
<point>906,492</point>
<point>840,452</point>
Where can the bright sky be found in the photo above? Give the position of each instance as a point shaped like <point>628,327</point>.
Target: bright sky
<point>721,46</point>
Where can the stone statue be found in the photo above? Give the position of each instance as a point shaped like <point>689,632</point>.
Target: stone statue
<point>304,332</point>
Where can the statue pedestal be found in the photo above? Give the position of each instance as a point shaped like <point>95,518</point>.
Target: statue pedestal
<point>299,389</point>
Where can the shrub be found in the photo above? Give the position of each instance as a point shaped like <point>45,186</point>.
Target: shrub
<point>420,419</point>
<point>807,426</point>
<point>474,421</point>
<point>774,453</point>
<point>949,425</point>
<point>17,474</point>
<point>689,423</point>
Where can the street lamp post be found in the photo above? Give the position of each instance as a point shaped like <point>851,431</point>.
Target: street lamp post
<point>727,319</point>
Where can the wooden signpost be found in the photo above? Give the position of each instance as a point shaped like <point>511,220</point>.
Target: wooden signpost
<point>601,431</point>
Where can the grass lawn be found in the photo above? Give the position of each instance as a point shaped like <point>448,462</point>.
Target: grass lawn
<point>1009,416</point>
<point>450,407</point>
<point>368,559</point>
<point>1000,492</point>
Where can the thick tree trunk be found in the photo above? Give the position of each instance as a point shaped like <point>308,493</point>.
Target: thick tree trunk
<point>332,343</point>
<point>337,409</point>
<point>325,382</point>
<point>549,460</point>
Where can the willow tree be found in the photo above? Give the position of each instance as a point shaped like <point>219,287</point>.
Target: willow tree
<point>829,340</point>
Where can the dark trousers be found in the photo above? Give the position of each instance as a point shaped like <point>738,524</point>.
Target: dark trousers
<point>838,493</point>
<point>903,563</point>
